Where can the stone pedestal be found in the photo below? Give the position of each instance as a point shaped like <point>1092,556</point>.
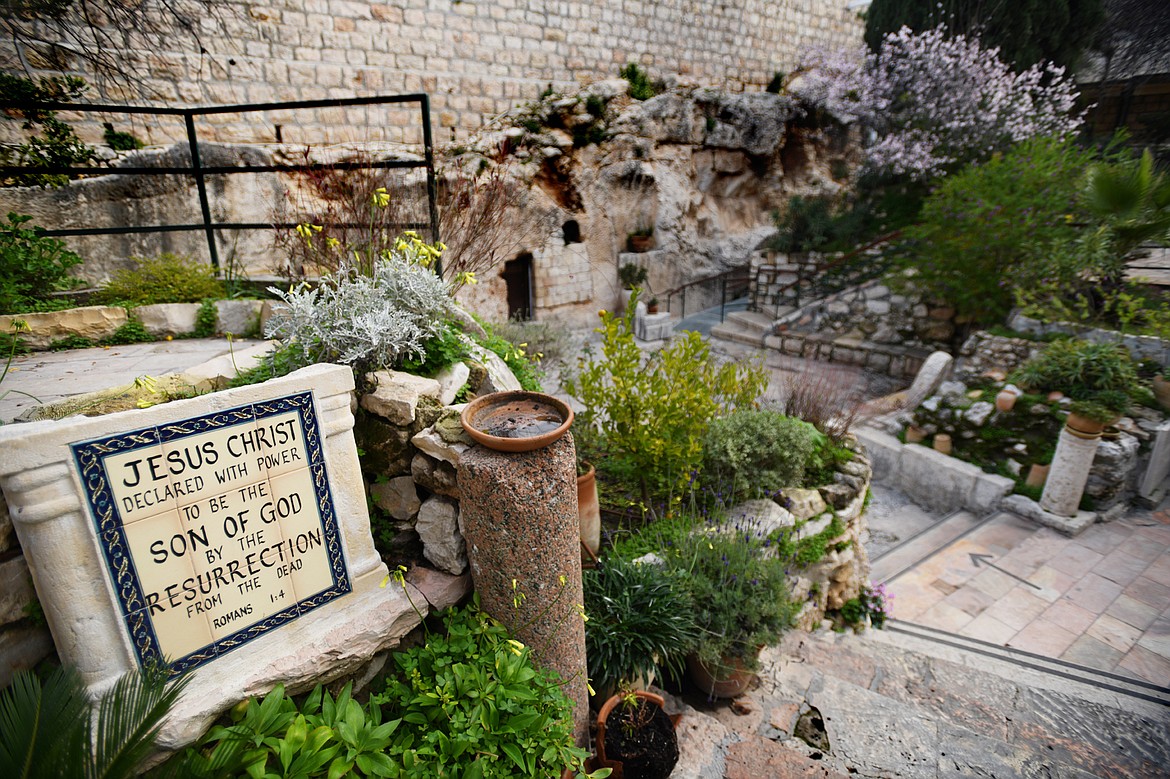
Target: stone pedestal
<point>1069,472</point>
<point>519,516</point>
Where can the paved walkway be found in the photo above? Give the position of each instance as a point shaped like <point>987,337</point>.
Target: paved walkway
<point>52,376</point>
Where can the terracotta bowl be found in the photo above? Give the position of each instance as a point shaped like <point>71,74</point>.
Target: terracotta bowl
<point>517,421</point>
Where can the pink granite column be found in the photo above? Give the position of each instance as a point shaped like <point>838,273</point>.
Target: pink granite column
<point>519,517</point>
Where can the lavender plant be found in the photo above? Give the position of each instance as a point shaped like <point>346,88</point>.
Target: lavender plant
<point>370,321</point>
<point>936,103</point>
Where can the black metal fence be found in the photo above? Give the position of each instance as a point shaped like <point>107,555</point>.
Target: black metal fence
<point>200,172</point>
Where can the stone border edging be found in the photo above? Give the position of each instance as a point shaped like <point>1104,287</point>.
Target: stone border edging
<point>932,479</point>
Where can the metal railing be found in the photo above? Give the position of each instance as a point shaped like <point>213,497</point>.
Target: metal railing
<point>732,283</point>
<point>200,172</point>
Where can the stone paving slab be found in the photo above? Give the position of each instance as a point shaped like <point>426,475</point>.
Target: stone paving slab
<point>53,376</point>
<point>1101,600</point>
<point>895,705</point>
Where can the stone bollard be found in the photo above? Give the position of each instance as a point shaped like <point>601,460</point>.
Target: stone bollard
<point>1069,472</point>
<point>519,516</point>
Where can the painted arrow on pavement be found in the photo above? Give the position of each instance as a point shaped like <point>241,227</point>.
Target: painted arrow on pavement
<point>986,560</point>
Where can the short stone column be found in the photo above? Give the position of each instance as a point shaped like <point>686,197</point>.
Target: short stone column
<point>1069,472</point>
<point>519,517</point>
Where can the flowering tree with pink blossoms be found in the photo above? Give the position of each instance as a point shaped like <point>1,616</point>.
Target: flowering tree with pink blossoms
<point>935,103</point>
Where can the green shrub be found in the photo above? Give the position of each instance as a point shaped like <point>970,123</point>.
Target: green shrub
<point>167,278</point>
<point>54,143</point>
<point>31,265</point>
<point>641,621</point>
<point>654,412</point>
<point>523,363</point>
<point>471,703</point>
<point>206,320</point>
<point>641,87</point>
<point>368,321</point>
<point>1080,369</point>
<point>439,351</point>
<point>132,332</point>
<point>751,453</point>
<point>742,601</point>
<point>989,229</point>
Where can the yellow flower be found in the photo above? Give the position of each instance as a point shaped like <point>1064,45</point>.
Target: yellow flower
<point>515,646</point>
<point>381,197</point>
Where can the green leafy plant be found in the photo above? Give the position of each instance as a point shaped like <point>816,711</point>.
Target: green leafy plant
<point>206,320</point>
<point>1082,370</point>
<point>31,265</point>
<point>472,704</point>
<point>1094,411</point>
<point>524,364</point>
<point>53,143</point>
<point>756,452</point>
<point>439,351</point>
<point>807,224</point>
<point>641,621</point>
<point>872,603</point>
<point>640,85</point>
<point>368,321</point>
<point>632,276</point>
<point>119,140</point>
<point>167,278</point>
<point>653,413</point>
<point>275,737</point>
<point>50,727</point>
<point>989,229</point>
<point>132,332</point>
<point>741,594</point>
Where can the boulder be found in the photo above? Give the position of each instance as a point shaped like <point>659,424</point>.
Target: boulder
<point>438,527</point>
<point>499,376</point>
<point>92,322</point>
<point>930,376</point>
<point>804,504</point>
<point>436,476</point>
<point>451,379</point>
<point>163,319</point>
<point>239,317</point>
<point>396,395</point>
<point>398,497</point>
<point>758,517</point>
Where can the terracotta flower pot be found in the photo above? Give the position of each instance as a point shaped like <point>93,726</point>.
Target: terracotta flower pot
<point>1161,387</point>
<point>914,434</point>
<point>1037,475</point>
<point>942,443</point>
<point>1005,400</point>
<point>588,509</point>
<point>727,681</point>
<point>607,759</point>
<point>1083,427</point>
<point>640,243</point>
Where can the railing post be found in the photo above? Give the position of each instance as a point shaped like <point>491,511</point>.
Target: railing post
<point>201,186</point>
<point>722,297</point>
<point>432,193</point>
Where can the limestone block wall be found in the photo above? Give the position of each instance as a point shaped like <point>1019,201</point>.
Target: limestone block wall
<point>476,58</point>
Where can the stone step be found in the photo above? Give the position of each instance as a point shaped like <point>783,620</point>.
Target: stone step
<point>923,544</point>
<point>730,331</point>
<point>752,321</point>
<point>1104,681</point>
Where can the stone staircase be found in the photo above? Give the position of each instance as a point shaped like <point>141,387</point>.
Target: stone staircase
<point>746,327</point>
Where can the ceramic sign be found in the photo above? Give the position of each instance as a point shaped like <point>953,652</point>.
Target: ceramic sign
<point>215,529</point>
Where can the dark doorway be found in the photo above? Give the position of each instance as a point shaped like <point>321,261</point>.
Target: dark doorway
<point>571,231</point>
<point>518,278</point>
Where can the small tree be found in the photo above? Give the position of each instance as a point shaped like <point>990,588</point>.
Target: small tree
<point>937,103</point>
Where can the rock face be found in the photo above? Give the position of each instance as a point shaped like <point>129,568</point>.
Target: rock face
<point>92,322</point>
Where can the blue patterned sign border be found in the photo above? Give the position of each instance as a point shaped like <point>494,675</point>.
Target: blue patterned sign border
<point>89,457</point>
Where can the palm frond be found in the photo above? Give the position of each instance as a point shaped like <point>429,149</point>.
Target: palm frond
<point>43,725</point>
<point>128,720</point>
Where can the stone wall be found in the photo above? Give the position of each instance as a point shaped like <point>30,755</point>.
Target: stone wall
<point>475,58</point>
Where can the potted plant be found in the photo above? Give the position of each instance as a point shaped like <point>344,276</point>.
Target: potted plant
<point>1088,417</point>
<point>641,239</point>
<point>641,623</point>
<point>742,603</point>
<point>635,736</point>
<point>652,306</point>
<point>632,277</point>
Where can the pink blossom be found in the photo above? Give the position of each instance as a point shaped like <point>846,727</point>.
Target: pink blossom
<point>933,102</point>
